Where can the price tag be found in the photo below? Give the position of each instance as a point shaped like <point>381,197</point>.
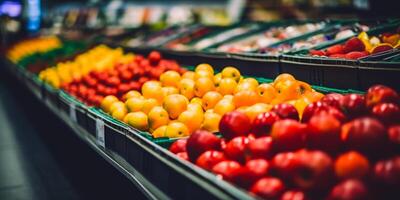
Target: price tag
<point>72,112</point>
<point>100,132</point>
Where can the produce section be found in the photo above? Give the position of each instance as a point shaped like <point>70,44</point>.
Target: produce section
<point>296,109</point>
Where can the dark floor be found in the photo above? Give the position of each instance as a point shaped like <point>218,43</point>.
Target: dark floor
<point>40,158</point>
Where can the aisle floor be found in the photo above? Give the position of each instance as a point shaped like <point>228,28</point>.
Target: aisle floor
<point>40,158</point>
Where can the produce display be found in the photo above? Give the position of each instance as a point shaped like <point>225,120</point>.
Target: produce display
<point>269,37</point>
<point>340,147</point>
<point>32,46</point>
<point>314,40</point>
<point>178,104</point>
<point>361,46</point>
<point>97,59</point>
<point>123,76</point>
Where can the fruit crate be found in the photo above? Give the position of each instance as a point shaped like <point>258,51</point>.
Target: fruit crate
<point>381,69</point>
<point>50,95</point>
<point>34,84</point>
<point>73,108</point>
<point>329,72</point>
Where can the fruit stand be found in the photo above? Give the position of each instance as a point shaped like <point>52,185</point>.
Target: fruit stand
<point>264,114</point>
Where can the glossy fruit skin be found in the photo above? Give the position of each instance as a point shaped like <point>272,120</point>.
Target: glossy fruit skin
<point>178,146</point>
<point>261,147</point>
<point>387,172</point>
<point>201,141</point>
<point>353,44</point>
<point>351,189</point>
<point>183,155</point>
<point>209,159</point>
<point>388,113</point>
<point>394,134</point>
<point>324,133</point>
<point>288,135</point>
<point>234,124</point>
<point>353,105</point>
<point>332,99</point>
<point>235,149</point>
<point>268,188</point>
<point>283,164</point>
<point>311,109</point>
<point>313,170</point>
<point>365,134</point>
<point>294,195</point>
<point>380,94</point>
<point>286,111</point>
<point>351,165</point>
<point>252,171</point>
<point>262,124</point>
<point>226,169</point>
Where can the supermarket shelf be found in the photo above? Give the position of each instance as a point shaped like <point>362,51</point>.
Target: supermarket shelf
<point>154,170</point>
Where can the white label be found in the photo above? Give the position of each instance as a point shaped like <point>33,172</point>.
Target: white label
<point>72,112</point>
<point>100,132</point>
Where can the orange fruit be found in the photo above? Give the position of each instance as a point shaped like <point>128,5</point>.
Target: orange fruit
<point>149,104</point>
<point>195,106</point>
<point>204,66</point>
<point>228,96</point>
<point>135,104</point>
<point>304,87</point>
<point>202,86</point>
<point>138,120</point>
<point>176,129</point>
<point>210,99</point>
<point>283,77</point>
<point>170,78</point>
<point>192,119</point>
<point>313,96</point>
<point>231,72</point>
<point>107,101</point>
<point>252,81</point>
<point>223,106</point>
<point>287,90</point>
<point>211,122</point>
<point>188,75</point>
<point>169,90</point>
<point>175,104</point>
<point>266,92</point>
<point>227,86</point>
<point>258,108</point>
<point>244,86</point>
<point>119,113</point>
<point>245,98</point>
<point>242,109</point>
<point>197,100</point>
<point>157,117</point>
<point>153,89</point>
<point>130,94</point>
<point>300,104</point>
<point>203,74</point>
<point>186,88</point>
<point>217,79</point>
<point>117,105</point>
<point>159,132</point>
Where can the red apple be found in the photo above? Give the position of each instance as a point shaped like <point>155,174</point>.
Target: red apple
<point>178,146</point>
<point>268,188</point>
<point>235,149</point>
<point>201,141</point>
<point>234,124</point>
<point>353,105</point>
<point>380,94</point>
<point>251,172</point>
<point>365,134</point>
<point>394,134</point>
<point>333,112</point>
<point>313,170</point>
<point>388,171</point>
<point>226,169</point>
<point>183,155</point>
<point>154,57</point>
<point>294,195</point>
<point>351,165</point>
<point>324,132</point>
<point>388,113</point>
<point>351,189</point>
<point>311,109</point>
<point>263,122</point>
<point>286,111</point>
<point>261,148</point>
<point>332,99</point>
<point>283,164</point>
<point>288,135</point>
<point>209,159</point>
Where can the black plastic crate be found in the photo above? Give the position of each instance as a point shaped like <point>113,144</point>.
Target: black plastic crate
<point>34,84</point>
<point>378,72</point>
<point>50,95</point>
<point>73,108</point>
